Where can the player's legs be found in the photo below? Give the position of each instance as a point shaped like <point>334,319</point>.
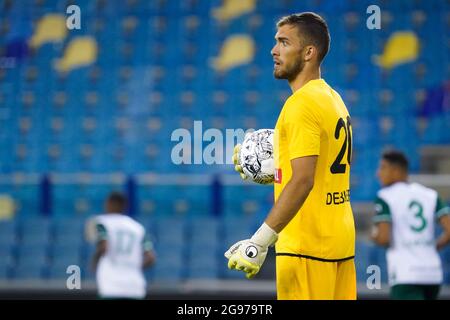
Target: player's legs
<point>407,292</point>
<point>431,291</point>
<point>305,279</point>
<point>345,280</point>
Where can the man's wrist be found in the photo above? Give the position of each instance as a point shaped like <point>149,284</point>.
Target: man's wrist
<point>265,236</point>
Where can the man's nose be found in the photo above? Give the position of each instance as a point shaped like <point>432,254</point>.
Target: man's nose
<point>274,51</point>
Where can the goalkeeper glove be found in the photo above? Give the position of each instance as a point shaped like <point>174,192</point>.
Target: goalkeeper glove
<point>249,255</point>
<point>236,161</point>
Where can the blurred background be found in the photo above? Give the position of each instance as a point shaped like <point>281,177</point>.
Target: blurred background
<point>85,111</point>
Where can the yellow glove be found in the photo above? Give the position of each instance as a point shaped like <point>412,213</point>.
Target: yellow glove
<point>237,164</point>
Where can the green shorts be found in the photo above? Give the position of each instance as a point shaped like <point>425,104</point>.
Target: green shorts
<point>415,292</point>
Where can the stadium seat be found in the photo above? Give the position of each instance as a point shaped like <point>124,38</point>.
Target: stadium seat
<point>203,230</point>
<point>35,238</point>
<point>58,271</point>
<point>87,274</point>
<point>170,231</point>
<point>7,232</point>
<point>73,225</point>
<point>34,226</point>
<point>66,251</point>
<point>30,253</point>
<point>67,259</point>
<point>362,259</point>
<point>6,250</point>
<point>168,268</point>
<point>28,270</point>
<point>378,258</point>
<point>4,272</point>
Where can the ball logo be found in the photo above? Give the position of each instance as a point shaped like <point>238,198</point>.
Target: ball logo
<point>251,251</point>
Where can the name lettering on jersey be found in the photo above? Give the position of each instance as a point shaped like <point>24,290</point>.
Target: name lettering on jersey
<point>278,175</point>
<point>337,198</point>
<point>419,242</point>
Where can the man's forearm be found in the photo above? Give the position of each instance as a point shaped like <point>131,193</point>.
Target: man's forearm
<point>95,260</point>
<point>442,241</point>
<point>290,201</point>
<point>100,250</point>
<point>149,259</point>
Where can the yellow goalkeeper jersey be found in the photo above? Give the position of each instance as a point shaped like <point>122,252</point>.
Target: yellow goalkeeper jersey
<point>315,121</point>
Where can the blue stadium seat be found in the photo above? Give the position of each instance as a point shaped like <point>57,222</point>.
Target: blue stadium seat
<point>58,271</point>
<point>68,225</point>
<point>235,229</point>
<point>447,275</point>
<point>204,229</point>
<point>169,268</point>
<point>32,252</point>
<point>34,226</point>
<point>66,251</point>
<point>87,274</point>
<point>68,229</point>
<point>87,252</point>
<point>4,271</point>
<point>7,227</point>
<point>148,222</point>
<point>28,270</point>
<point>6,251</point>
<point>7,232</point>
<point>69,239</point>
<point>203,272</point>
<point>67,259</point>
<point>362,259</point>
<point>170,230</point>
<point>378,257</point>
<point>437,131</point>
<point>35,238</point>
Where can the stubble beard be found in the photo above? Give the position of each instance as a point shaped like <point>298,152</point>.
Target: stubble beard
<point>291,72</point>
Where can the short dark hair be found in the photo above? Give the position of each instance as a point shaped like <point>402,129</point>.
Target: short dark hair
<point>397,158</point>
<point>313,27</point>
<point>118,200</point>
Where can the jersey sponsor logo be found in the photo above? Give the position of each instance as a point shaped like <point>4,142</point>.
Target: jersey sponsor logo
<point>278,175</point>
<point>337,198</point>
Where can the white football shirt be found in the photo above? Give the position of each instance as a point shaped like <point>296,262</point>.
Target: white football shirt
<point>412,209</point>
<point>119,271</point>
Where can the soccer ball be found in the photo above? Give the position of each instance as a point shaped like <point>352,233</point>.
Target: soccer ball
<point>256,156</point>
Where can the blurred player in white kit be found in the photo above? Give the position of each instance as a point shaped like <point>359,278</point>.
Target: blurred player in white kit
<point>122,252</point>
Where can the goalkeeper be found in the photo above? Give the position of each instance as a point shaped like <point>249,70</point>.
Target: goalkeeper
<point>312,220</point>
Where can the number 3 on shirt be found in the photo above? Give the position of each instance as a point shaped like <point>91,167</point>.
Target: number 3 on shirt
<point>417,210</point>
<point>338,166</point>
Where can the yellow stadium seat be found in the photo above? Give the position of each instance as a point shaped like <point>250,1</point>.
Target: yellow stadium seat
<point>233,8</point>
<point>81,51</point>
<point>401,47</point>
<point>237,50</point>
<point>50,28</point>
<point>7,207</point>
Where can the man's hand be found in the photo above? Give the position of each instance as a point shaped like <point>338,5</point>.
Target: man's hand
<point>246,256</point>
<point>249,255</point>
<point>237,164</point>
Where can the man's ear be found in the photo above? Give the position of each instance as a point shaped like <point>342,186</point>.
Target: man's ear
<point>310,52</point>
